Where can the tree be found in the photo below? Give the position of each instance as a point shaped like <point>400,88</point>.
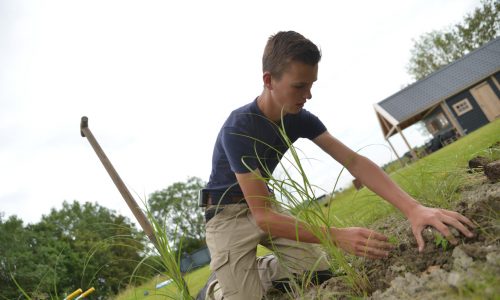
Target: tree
<point>17,258</point>
<point>177,208</point>
<point>480,27</point>
<point>77,246</point>
<point>103,248</point>
<point>436,49</point>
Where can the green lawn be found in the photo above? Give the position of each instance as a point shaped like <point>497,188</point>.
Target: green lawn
<point>195,281</point>
<point>434,180</point>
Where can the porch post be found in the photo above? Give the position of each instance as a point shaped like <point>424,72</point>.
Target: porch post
<point>451,117</point>
<point>394,150</point>
<point>413,154</point>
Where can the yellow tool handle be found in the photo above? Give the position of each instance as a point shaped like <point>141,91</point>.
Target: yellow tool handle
<point>87,292</point>
<point>74,294</point>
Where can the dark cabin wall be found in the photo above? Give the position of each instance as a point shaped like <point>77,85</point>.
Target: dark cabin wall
<point>493,85</point>
<point>497,76</point>
<point>471,120</point>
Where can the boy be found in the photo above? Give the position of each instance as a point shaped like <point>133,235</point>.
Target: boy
<point>239,215</point>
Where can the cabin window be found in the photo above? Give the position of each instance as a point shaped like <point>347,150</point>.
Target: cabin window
<point>461,107</point>
<point>437,123</point>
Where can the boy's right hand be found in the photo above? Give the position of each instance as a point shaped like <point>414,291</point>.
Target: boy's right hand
<point>361,241</point>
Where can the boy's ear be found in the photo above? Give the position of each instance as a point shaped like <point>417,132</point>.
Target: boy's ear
<point>266,78</point>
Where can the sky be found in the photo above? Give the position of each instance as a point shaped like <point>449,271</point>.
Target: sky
<point>158,78</point>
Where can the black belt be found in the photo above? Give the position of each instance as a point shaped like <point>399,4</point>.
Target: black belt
<point>226,199</point>
<point>215,204</point>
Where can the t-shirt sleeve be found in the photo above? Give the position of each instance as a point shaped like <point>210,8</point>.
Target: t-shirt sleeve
<point>239,148</point>
<point>313,126</point>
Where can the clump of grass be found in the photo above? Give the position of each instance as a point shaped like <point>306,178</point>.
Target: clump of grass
<point>440,241</point>
<point>298,196</point>
<point>169,259</point>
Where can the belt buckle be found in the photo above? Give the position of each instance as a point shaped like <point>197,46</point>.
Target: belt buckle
<point>211,212</point>
<point>202,198</point>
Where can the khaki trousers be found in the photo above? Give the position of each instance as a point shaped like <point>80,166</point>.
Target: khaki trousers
<point>232,238</point>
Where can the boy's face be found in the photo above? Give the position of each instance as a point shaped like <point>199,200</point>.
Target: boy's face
<point>293,89</point>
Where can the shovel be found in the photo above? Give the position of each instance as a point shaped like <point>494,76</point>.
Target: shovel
<point>136,210</point>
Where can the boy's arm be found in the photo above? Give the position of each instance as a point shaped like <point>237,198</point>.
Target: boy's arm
<point>355,240</point>
<point>377,180</point>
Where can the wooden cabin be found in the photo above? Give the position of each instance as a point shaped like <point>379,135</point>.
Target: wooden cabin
<point>452,102</point>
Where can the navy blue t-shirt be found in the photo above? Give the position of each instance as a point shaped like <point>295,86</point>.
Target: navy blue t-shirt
<point>248,140</point>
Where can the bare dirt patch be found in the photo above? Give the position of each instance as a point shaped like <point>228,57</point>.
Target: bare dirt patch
<point>443,271</point>
<point>470,268</point>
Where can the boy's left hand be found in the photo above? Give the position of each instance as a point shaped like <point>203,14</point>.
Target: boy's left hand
<point>422,216</point>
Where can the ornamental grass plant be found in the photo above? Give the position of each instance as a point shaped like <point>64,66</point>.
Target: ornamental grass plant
<point>297,195</point>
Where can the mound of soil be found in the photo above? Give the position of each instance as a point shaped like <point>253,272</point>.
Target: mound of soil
<point>492,171</point>
<point>441,271</point>
<point>471,267</point>
<point>478,162</point>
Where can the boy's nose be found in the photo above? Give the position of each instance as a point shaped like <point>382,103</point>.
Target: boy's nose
<point>308,95</point>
